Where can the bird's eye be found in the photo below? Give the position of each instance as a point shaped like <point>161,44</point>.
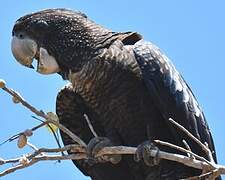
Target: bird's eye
<point>20,35</point>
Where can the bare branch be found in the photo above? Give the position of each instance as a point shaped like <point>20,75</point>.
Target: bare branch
<point>67,131</point>
<point>43,115</point>
<point>203,146</point>
<point>187,147</point>
<point>73,148</point>
<point>90,125</point>
<point>32,146</point>
<point>24,103</point>
<point>183,150</point>
<point>80,153</point>
<point>42,158</point>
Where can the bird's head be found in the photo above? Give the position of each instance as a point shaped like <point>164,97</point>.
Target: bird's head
<point>61,40</point>
<point>58,39</point>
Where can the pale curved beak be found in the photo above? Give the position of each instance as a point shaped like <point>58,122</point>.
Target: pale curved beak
<point>24,50</point>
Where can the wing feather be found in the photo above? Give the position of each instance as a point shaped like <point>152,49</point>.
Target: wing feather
<point>170,92</point>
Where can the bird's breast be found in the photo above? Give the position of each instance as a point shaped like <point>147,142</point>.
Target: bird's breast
<point>116,95</point>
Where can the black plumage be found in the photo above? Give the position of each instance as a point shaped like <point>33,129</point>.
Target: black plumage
<point>127,87</point>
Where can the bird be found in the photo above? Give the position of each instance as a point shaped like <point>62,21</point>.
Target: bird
<point>126,86</point>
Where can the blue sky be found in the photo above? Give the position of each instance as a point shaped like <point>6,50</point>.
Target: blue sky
<point>191,33</point>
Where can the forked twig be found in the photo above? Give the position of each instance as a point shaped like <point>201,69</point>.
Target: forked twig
<point>43,115</point>
<point>203,146</point>
<point>184,150</point>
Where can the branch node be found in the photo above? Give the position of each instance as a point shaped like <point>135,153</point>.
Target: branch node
<point>24,160</point>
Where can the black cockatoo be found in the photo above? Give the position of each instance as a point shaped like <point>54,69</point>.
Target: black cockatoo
<point>126,86</point>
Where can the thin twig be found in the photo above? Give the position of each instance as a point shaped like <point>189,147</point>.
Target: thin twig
<point>209,176</point>
<point>68,132</point>
<point>55,134</point>
<point>73,148</point>
<point>7,161</point>
<point>43,158</point>
<point>203,146</point>
<point>183,150</point>
<point>24,103</point>
<point>186,145</point>
<point>43,115</point>
<point>188,148</point>
<point>90,125</point>
<point>105,151</point>
<point>17,135</point>
<point>32,146</point>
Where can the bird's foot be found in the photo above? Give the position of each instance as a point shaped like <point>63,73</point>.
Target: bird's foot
<point>95,145</point>
<point>144,153</point>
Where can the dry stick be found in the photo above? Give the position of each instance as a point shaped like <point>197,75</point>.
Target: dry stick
<point>209,176</point>
<point>185,151</point>
<point>120,150</point>
<point>73,147</point>
<point>39,126</point>
<point>32,146</point>
<point>105,151</point>
<point>204,147</point>
<point>39,156</point>
<point>68,132</point>
<point>43,115</point>
<point>186,145</point>
<point>188,148</point>
<point>161,154</point>
<point>90,125</point>
<point>194,163</point>
<point>7,161</point>
<point>17,135</point>
<point>43,158</point>
<point>53,132</point>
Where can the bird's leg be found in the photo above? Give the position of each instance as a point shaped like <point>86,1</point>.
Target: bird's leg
<point>144,153</point>
<point>95,145</point>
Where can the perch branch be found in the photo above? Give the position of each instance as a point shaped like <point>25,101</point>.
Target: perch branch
<point>79,150</point>
<point>183,150</point>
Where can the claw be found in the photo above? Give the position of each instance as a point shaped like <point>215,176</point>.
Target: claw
<point>144,153</point>
<point>95,145</point>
